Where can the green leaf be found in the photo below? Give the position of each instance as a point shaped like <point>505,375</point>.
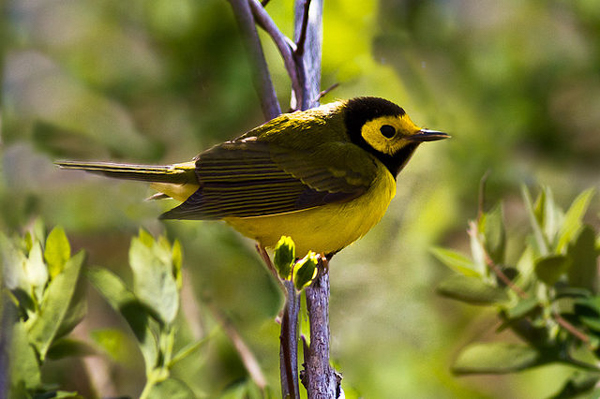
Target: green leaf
<point>171,388</point>
<point>491,225</point>
<point>456,261</point>
<point>285,256</point>
<point>25,369</point>
<point>57,299</point>
<point>534,220</point>
<point>66,395</point>
<point>13,264</point>
<point>495,358</point>
<point>57,251</point>
<point>583,254</point>
<point>523,308</point>
<point>115,343</point>
<point>66,347</point>
<point>177,258</point>
<point>573,219</point>
<point>472,290</point>
<point>146,238</point>
<point>154,283</point>
<point>135,313</point>
<point>591,322</point>
<point>305,271</point>
<point>36,271</point>
<point>579,383</point>
<point>549,269</point>
<point>548,214</point>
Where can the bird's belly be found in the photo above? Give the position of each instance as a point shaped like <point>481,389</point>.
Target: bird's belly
<point>323,229</point>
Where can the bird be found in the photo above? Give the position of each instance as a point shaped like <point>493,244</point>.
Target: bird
<point>323,177</point>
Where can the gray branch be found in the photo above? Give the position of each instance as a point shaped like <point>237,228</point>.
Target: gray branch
<point>285,46</point>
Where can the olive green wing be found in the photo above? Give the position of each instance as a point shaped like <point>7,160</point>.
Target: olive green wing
<point>246,178</point>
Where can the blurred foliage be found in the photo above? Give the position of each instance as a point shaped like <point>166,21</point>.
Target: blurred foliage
<point>550,301</point>
<point>150,310</point>
<point>515,82</point>
<point>42,303</point>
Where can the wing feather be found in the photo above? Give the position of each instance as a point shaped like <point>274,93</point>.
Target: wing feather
<point>246,178</point>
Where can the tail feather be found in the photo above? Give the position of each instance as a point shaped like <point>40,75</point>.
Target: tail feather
<point>176,174</point>
<point>177,181</point>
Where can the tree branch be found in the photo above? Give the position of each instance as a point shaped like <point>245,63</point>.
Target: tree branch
<point>320,379</point>
<point>285,46</point>
<point>288,351</point>
<point>308,34</point>
<point>261,77</point>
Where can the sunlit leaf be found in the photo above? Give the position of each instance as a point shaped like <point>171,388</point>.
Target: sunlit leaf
<point>36,271</point>
<point>124,301</point>
<point>115,343</point>
<point>57,299</point>
<point>57,251</point>
<point>305,271</point>
<point>491,225</point>
<point>177,259</point>
<point>285,256</point>
<point>25,369</point>
<point>495,358</point>
<point>154,283</point>
<point>573,219</point>
<point>551,268</point>
<point>456,261</point>
<point>472,290</point>
<point>540,240</point>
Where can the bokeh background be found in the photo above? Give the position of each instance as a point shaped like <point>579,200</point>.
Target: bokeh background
<point>516,83</point>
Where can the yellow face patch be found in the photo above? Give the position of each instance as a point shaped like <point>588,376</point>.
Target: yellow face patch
<point>387,134</point>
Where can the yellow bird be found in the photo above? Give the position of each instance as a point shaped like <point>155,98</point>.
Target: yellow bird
<point>324,176</point>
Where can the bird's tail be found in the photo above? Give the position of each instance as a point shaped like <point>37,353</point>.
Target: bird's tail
<point>177,181</point>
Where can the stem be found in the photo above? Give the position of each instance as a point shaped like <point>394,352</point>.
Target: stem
<point>288,353</point>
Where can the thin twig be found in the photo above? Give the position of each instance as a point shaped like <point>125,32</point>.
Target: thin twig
<point>473,231</point>
<point>262,77</point>
<point>246,355</point>
<point>267,260</point>
<point>301,42</point>
<point>571,328</point>
<point>326,91</point>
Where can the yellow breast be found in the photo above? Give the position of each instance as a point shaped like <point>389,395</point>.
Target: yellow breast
<point>323,229</point>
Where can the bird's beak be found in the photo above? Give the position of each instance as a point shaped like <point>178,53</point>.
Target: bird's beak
<point>427,135</point>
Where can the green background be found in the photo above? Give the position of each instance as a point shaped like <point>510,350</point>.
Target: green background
<point>516,83</point>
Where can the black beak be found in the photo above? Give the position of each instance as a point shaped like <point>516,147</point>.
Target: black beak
<point>427,135</point>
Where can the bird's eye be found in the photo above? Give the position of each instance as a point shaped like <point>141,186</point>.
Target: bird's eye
<point>388,131</point>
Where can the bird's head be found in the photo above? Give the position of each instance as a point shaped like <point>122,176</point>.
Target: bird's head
<point>384,129</point>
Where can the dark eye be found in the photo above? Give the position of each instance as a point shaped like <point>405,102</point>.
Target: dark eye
<point>388,131</point>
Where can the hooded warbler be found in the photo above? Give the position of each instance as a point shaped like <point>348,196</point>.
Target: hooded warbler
<point>324,176</point>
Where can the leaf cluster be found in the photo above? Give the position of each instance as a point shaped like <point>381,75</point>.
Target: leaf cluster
<point>43,301</point>
<point>150,308</point>
<point>548,296</point>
